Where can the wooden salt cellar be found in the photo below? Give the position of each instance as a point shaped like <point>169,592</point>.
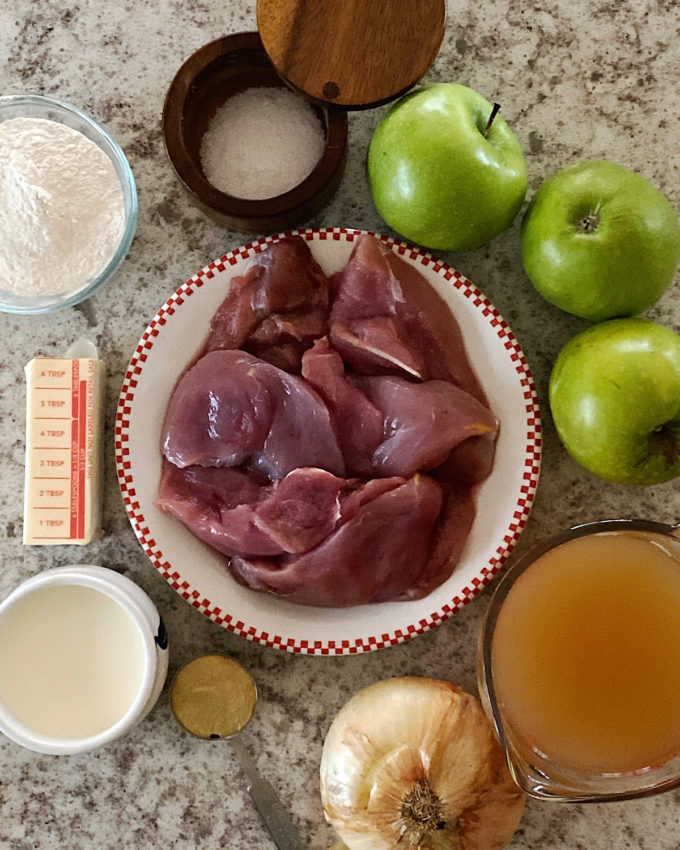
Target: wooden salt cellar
<point>215,72</point>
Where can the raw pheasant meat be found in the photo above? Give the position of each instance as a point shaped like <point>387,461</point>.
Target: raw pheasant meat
<point>328,436</point>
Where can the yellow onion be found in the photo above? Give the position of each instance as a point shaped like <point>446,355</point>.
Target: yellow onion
<point>413,763</point>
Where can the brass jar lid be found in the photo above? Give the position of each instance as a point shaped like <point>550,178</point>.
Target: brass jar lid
<point>213,696</point>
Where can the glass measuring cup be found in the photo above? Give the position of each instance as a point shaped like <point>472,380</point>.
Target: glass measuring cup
<point>213,697</point>
<point>564,670</point>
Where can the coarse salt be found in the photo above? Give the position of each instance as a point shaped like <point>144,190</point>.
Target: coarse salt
<point>261,143</point>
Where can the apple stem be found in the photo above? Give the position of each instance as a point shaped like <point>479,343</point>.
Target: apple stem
<point>494,113</point>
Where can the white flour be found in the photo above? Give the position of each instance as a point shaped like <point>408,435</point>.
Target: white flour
<point>61,207</point>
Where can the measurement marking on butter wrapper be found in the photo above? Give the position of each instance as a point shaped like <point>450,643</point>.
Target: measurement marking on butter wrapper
<point>68,452</point>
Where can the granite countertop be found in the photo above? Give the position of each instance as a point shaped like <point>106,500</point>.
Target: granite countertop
<point>576,79</point>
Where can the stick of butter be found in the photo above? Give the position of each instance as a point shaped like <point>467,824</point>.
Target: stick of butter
<point>64,430</point>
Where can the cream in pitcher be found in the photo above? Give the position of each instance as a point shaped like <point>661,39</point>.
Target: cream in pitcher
<point>83,658</point>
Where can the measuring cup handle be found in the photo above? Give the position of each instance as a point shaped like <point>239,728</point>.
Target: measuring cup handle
<point>272,810</point>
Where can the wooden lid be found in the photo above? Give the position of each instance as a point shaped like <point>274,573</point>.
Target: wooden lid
<point>351,53</point>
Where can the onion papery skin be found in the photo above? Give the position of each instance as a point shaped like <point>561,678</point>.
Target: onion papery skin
<point>413,731</point>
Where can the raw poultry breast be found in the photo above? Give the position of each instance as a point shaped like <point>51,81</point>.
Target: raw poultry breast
<point>329,434</point>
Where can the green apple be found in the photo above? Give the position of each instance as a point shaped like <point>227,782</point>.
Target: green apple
<point>600,241</point>
<point>439,175</point>
<point>615,400</point>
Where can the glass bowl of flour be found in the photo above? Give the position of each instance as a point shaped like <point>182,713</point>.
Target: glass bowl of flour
<point>68,204</point>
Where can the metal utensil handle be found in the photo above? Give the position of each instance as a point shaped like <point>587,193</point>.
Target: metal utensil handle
<point>273,812</point>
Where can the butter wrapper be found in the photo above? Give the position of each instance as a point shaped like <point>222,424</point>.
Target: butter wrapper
<point>64,450</point>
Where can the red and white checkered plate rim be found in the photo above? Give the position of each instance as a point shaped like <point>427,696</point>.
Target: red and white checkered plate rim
<point>193,595</point>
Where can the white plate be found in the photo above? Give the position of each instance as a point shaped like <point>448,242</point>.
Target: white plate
<point>200,575</point>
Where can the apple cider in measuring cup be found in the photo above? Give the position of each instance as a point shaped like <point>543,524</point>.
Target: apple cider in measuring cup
<point>585,655</point>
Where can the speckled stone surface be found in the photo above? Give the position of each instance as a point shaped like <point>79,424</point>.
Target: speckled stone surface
<point>576,79</point>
